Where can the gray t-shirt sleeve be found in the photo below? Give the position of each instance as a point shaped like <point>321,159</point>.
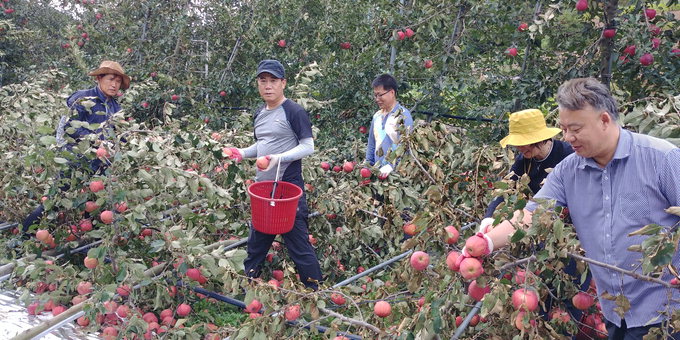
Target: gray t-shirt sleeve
<point>302,150</point>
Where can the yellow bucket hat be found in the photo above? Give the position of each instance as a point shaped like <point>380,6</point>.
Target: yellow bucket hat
<point>528,127</point>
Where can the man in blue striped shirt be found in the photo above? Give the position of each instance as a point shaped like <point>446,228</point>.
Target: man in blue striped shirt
<point>615,183</point>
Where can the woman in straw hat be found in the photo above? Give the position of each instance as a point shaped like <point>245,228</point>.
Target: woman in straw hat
<point>94,106</point>
<point>537,151</point>
<point>110,78</point>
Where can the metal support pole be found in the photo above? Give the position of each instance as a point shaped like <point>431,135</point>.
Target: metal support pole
<point>241,304</point>
<point>466,322</point>
<point>372,269</point>
<point>7,225</point>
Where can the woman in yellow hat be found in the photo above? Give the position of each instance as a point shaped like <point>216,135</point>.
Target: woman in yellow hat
<point>538,150</point>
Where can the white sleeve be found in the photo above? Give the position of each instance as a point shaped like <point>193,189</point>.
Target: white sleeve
<point>302,150</point>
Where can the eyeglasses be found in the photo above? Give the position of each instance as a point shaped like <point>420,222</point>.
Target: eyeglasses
<point>376,96</point>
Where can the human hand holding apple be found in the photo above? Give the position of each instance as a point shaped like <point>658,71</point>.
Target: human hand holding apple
<point>272,160</point>
<point>485,225</point>
<point>233,153</point>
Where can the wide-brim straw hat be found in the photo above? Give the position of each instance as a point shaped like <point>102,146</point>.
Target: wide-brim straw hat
<point>528,127</point>
<point>112,67</point>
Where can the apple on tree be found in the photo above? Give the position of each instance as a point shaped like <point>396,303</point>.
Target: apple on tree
<point>420,260</point>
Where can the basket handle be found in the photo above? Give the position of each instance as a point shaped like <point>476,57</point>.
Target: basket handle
<point>276,180</point>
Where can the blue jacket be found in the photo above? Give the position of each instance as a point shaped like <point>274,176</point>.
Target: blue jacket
<point>379,141</point>
<point>102,110</point>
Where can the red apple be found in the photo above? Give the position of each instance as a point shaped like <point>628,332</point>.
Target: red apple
<point>42,235</point>
<point>83,321</point>
<point>262,163</point>
<point>277,274</point>
<point>183,310</point>
<point>452,234</point>
<point>96,186</point>
<point>525,299</point>
<point>123,290</point>
<point>471,268</point>
<point>102,153</point>
<point>654,29</point>
<point>582,5</point>
<point>223,93</point>
<point>428,63</point>
<point>629,50</point>
<point>523,27</point>
<point>84,288</point>
<point>348,166</point>
<point>145,105</point>
<point>149,318</point>
<point>58,310</point>
<point>90,262</point>
<point>646,59</point>
<point>363,129</point>
<point>609,33</point>
<point>325,166</point>
<point>451,260</point>
<point>194,274</point>
<point>85,225</point>
<point>409,229</point>
<point>110,333</point>
<point>512,51</point>
<point>420,260</point>
<point>98,16</point>
<point>312,240</point>
<point>345,45</point>
<point>459,320</point>
<point>476,246</point>
<point>400,35</point>
<point>338,299</point>
<point>560,315</point>
<point>282,43</point>
<point>292,312</point>
<point>382,309</point>
<point>106,216</point>
<point>174,97</point>
<point>254,306</point>
<point>655,43</point>
<point>477,292</point>
<point>153,74</point>
<point>123,311</point>
<point>365,172</point>
<point>120,207</point>
<point>582,300</point>
<point>650,13</point>
<point>409,32</point>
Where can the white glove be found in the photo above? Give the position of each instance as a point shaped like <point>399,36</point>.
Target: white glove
<point>385,170</point>
<point>485,224</point>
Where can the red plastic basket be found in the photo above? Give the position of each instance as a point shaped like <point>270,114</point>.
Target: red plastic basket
<point>277,215</point>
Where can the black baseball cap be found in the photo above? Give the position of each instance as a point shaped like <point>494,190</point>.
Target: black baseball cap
<point>272,67</point>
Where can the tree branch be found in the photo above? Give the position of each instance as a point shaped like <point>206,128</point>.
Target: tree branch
<point>623,271</point>
<point>517,263</point>
<point>352,321</point>
<point>422,168</point>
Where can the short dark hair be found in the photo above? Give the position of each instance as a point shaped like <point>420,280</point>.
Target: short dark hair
<point>575,94</point>
<point>386,81</point>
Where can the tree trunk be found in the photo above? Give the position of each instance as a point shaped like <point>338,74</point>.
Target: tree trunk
<point>607,44</point>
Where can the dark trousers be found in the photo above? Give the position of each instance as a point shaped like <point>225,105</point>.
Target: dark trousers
<point>635,333</point>
<point>297,242</point>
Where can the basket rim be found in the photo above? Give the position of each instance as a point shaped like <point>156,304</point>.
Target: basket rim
<point>269,199</point>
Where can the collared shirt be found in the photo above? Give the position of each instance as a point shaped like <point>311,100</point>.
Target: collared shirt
<point>383,133</point>
<point>606,204</point>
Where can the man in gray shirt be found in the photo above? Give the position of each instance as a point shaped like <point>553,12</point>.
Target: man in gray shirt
<point>283,133</point>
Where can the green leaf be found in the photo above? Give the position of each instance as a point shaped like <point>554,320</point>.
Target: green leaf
<point>48,140</point>
<point>517,236</point>
<point>650,229</point>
